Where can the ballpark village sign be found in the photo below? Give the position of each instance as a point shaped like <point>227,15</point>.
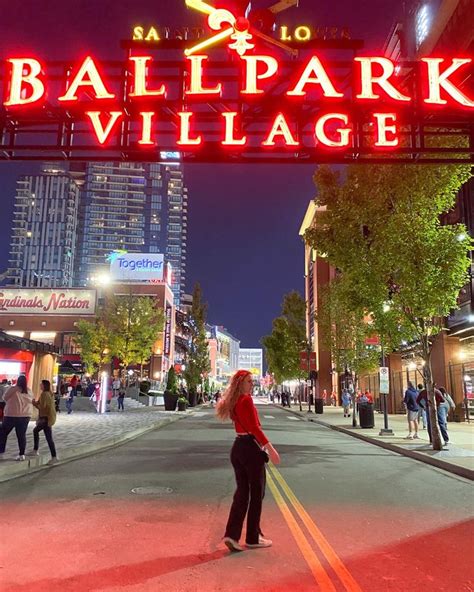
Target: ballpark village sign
<point>236,96</point>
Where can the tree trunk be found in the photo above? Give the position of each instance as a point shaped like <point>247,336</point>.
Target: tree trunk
<point>432,407</point>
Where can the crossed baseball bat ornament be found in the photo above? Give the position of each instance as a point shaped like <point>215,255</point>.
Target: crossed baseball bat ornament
<point>238,30</point>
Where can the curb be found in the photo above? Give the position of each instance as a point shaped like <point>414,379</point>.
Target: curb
<point>34,464</point>
<point>419,456</point>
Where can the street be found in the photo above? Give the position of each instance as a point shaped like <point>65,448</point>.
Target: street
<point>343,515</point>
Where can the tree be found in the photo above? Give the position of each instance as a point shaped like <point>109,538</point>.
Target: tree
<point>197,361</point>
<point>135,323</point>
<point>344,329</point>
<point>287,339</point>
<point>381,228</point>
<point>93,340</point>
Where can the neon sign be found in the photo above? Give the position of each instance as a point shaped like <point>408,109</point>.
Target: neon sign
<point>147,105</point>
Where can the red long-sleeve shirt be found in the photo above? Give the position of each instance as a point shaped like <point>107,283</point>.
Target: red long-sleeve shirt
<point>246,420</point>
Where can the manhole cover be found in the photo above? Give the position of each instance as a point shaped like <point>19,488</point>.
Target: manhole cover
<point>152,490</point>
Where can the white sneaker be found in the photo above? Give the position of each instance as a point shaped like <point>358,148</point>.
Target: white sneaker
<point>262,543</point>
<point>409,437</point>
<point>416,437</point>
<point>232,544</point>
<point>32,453</point>
<point>20,457</point>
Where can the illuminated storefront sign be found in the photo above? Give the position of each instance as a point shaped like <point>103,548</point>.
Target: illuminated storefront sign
<point>375,79</point>
<point>364,104</point>
<point>167,336</point>
<point>137,267</point>
<point>39,301</point>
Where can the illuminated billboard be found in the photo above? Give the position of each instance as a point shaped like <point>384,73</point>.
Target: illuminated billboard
<point>137,267</point>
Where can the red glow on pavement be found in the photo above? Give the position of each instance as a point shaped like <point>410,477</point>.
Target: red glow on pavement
<point>77,545</point>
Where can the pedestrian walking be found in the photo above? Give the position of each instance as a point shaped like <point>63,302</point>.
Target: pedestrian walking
<point>17,414</point>
<point>412,407</point>
<point>346,402</point>
<point>250,451</point>
<point>443,411</point>
<point>116,385</point>
<point>120,400</point>
<point>333,399</point>
<point>422,399</point>
<point>451,405</point>
<point>46,420</point>
<point>421,409</point>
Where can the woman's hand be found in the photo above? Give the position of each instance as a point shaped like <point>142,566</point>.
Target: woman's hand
<point>273,454</point>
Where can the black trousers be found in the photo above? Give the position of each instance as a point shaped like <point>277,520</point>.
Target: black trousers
<point>20,425</point>
<point>42,424</point>
<point>250,476</point>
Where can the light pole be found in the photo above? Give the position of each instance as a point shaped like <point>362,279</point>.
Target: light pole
<point>385,384</point>
<point>385,431</point>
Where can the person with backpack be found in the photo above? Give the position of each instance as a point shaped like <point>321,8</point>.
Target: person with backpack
<point>249,453</point>
<point>46,420</point>
<point>17,414</point>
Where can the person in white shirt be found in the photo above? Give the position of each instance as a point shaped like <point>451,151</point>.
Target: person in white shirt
<point>116,384</point>
<point>17,414</point>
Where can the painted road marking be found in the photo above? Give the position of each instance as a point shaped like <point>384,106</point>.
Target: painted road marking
<point>329,553</point>
<point>318,571</point>
<point>293,418</point>
<point>269,416</point>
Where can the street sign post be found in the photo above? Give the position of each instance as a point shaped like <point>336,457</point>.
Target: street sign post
<point>384,389</point>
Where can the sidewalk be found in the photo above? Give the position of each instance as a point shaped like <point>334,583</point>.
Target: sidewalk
<point>83,433</point>
<point>457,458</point>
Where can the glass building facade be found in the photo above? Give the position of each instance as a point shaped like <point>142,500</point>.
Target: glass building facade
<point>135,207</point>
<point>44,230</point>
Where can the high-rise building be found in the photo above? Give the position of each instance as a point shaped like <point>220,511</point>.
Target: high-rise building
<point>135,207</point>
<point>44,229</point>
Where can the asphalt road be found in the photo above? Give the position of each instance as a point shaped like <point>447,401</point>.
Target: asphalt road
<point>343,515</point>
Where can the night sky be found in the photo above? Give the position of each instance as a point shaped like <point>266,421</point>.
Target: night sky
<point>243,243</point>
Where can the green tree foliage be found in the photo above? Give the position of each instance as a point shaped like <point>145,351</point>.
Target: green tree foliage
<point>197,362</point>
<point>134,323</point>
<point>344,330</point>
<point>287,339</point>
<point>93,340</point>
<point>380,226</point>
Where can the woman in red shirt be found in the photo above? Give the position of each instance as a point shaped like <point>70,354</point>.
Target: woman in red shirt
<point>248,462</point>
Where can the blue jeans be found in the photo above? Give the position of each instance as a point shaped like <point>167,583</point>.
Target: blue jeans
<point>20,424</point>
<point>422,416</point>
<point>69,405</point>
<point>443,421</point>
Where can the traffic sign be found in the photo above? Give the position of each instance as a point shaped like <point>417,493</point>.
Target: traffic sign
<point>384,374</point>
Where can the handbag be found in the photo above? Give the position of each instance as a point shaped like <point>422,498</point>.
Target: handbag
<point>264,454</point>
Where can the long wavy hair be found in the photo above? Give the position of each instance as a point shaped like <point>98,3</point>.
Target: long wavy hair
<point>226,404</point>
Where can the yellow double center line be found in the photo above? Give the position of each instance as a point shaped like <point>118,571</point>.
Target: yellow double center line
<point>320,574</point>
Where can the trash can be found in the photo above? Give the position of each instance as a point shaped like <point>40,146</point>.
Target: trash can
<point>366,415</point>
<point>319,406</point>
